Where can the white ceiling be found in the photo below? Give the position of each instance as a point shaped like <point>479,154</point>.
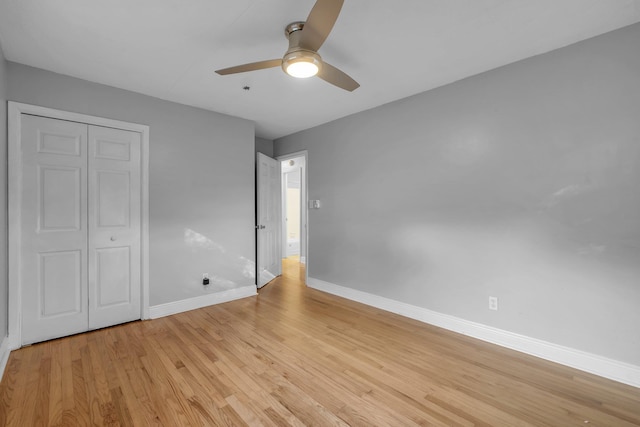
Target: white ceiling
<point>170,48</point>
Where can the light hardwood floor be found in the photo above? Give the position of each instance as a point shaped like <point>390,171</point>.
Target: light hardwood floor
<point>296,356</point>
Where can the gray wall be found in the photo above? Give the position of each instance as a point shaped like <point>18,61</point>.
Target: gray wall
<point>3,197</point>
<point>520,183</point>
<point>264,146</point>
<point>201,180</point>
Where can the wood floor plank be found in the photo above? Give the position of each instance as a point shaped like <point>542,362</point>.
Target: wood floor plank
<point>33,397</point>
<point>80,395</point>
<point>56,405</point>
<point>10,389</point>
<point>294,356</point>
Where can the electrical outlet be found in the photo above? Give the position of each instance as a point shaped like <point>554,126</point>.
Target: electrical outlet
<point>493,303</point>
<point>205,278</point>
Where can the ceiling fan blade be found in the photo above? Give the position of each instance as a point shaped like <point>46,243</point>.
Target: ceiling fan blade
<point>332,75</point>
<point>260,65</point>
<point>319,23</point>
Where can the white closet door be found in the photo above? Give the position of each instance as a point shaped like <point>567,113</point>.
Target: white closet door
<point>54,228</point>
<point>114,226</point>
<point>80,227</point>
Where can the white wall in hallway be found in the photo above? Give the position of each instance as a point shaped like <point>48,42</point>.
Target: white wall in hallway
<point>299,165</point>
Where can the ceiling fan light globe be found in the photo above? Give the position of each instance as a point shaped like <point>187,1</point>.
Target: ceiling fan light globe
<point>301,64</point>
<point>302,69</point>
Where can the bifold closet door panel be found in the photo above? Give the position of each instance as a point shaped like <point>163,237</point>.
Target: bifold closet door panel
<point>114,226</point>
<point>53,253</point>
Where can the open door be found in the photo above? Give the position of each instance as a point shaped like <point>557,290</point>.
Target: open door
<point>268,215</point>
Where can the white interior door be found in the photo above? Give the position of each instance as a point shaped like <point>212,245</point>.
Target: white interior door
<point>268,212</point>
<point>114,226</point>
<point>80,258</point>
<point>54,228</point>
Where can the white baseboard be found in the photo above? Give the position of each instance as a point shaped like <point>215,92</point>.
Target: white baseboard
<point>592,363</point>
<point>175,307</point>
<point>303,260</point>
<point>5,351</point>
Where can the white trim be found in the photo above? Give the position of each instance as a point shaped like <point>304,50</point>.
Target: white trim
<point>588,362</point>
<point>15,110</point>
<point>176,307</point>
<point>303,260</point>
<point>5,351</point>
<point>144,265</point>
<point>14,297</point>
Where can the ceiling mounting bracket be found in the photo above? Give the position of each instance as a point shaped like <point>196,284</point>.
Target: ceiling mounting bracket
<point>293,27</point>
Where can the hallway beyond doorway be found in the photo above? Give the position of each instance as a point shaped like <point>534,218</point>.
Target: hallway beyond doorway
<point>293,269</point>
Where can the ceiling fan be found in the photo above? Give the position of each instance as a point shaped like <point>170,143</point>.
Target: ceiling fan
<point>305,38</point>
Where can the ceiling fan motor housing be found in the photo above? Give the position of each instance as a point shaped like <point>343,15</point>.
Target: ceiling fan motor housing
<point>307,62</point>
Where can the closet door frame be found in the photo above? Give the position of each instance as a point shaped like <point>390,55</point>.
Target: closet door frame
<point>15,111</point>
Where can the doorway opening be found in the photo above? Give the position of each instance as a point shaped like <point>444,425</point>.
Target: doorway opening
<point>294,210</point>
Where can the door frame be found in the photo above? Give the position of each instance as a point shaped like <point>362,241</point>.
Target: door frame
<point>14,113</point>
<point>304,213</point>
